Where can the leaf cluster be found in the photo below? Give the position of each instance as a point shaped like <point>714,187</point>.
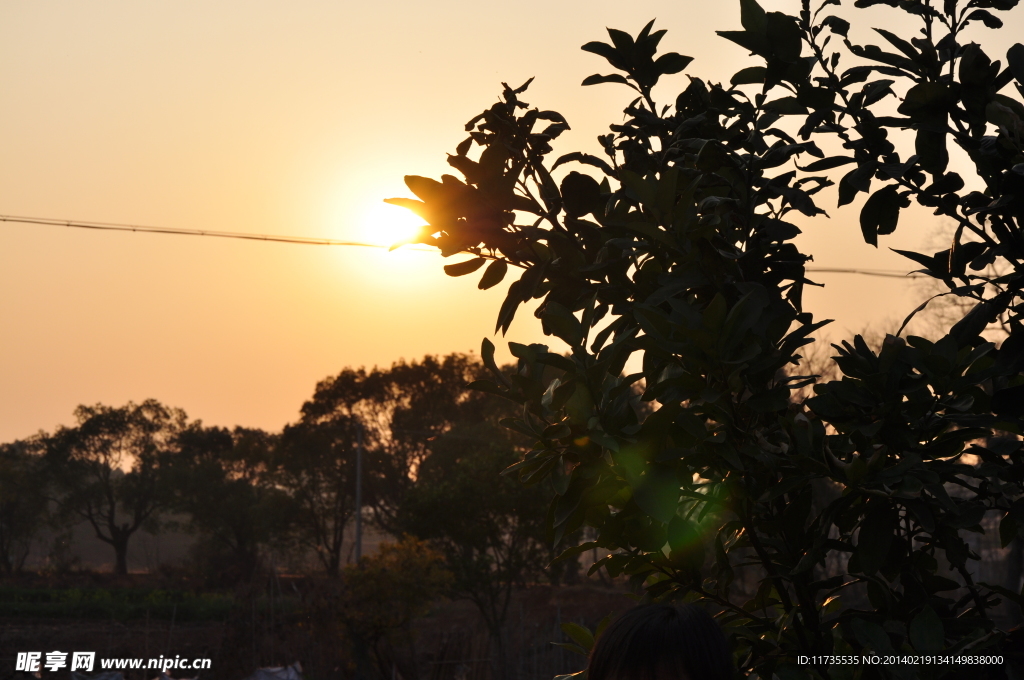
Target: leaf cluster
<point>675,247</point>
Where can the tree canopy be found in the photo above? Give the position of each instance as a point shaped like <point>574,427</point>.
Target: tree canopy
<point>433,462</point>
<point>23,501</point>
<point>223,483</point>
<point>676,246</point>
<point>112,468</point>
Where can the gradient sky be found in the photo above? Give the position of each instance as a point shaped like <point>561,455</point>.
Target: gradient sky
<point>293,118</point>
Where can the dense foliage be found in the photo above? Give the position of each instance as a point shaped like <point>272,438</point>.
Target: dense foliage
<point>383,595</point>
<point>260,503</point>
<point>111,469</point>
<point>681,251</point>
<point>221,482</point>
<point>23,502</point>
<point>432,471</point>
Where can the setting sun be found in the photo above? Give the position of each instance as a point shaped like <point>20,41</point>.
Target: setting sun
<point>385,224</point>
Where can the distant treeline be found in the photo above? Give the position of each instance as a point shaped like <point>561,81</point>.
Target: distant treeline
<point>431,457</point>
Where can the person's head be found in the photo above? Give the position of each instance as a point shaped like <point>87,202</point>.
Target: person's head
<point>661,642</point>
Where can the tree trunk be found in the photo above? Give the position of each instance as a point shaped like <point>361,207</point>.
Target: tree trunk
<point>121,559</point>
<point>334,563</point>
<point>499,664</point>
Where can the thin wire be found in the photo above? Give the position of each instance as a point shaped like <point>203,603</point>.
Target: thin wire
<point>888,273</point>
<point>311,241</point>
<point>112,226</point>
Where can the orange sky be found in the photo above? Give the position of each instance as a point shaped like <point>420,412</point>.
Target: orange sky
<point>289,118</point>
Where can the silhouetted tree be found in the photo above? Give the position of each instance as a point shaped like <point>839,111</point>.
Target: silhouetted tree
<point>381,597</point>
<point>223,483</point>
<point>399,410</point>
<point>111,468</point>
<point>674,252</point>
<point>23,500</point>
<point>490,529</point>
<point>315,464</point>
<point>435,451</point>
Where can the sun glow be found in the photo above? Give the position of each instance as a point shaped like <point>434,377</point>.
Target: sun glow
<point>385,224</point>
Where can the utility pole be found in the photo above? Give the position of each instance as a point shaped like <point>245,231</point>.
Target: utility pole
<point>359,492</point>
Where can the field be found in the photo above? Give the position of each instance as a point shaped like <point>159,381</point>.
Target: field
<point>280,624</point>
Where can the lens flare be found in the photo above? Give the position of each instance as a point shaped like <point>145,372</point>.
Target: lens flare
<point>385,224</point>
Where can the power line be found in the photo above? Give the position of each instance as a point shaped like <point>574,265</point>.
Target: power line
<point>113,226</point>
<point>311,241</point>
<point>888,273</point>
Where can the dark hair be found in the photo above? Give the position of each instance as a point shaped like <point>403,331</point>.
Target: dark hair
<point>661,642</point>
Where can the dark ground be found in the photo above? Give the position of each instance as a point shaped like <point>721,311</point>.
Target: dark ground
<point>450,643</point>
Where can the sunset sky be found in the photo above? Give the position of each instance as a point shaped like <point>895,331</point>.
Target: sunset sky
<point>295,118</point>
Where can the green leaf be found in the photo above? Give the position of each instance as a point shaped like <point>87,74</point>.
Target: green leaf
<point>1009,402</point>
<point>784,36</point>
<point>1009,529</point>
<point>931,147</point>
<point>874,53</point>
<point>645,34</point>
<point>559,321</point>
<point>1016,598</point>
<point>1015,62</point>
<point>817,98</point>
<point>881,213</point>
<point>971,326</point>
<point>580,635</point>
<point>578,675</point>
<point>574,648</point>
<point>1005,112</point>
<point>426,188</point>
<point>623,41</point>
<point>493,275</point>
<point>597,79</point>
<point>566,504</point>
<point>934,264</point>
<point>755,42</point>
<point>871,635</point>
<point>926,632</point>
<point>581,194</point>
<point>876,91</point>
<point>488,387</point>
<point>829,163</point>
<point>487,354</point>
<point>463,268</point>
<point>657,492</point>
<point>685,544</point>
<point>713,315</point>
<point>607,51</point>
<point>712,156</point>
<point>990,20</point>
<point>753,17</point>
<point>837,25</point>
<point>508,309</point>
<point>749,76</point>
<point>858,179</point>
<point>927,103</point>
<point>742,317</point>
<point>586,158</point>
<point>877,530</point>
<point>418,207</point>
<point>671,62</point>
<point>787,106</point>
<point>575,550</point>
<point>899,43</point>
